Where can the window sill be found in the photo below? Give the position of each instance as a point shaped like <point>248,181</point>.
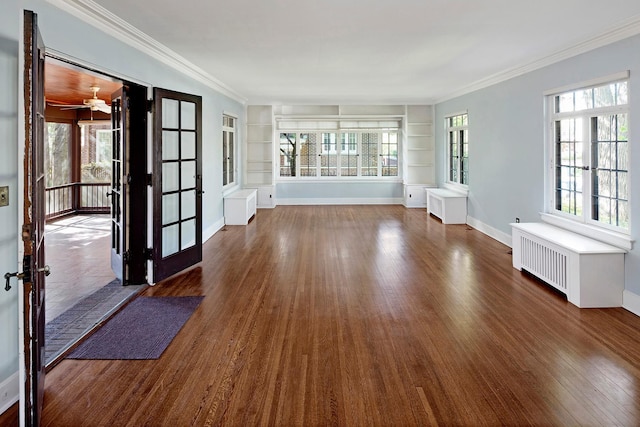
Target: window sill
<point>613,238</point>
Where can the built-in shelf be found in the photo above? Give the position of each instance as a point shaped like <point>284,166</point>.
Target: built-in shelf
<point>259,148</point>
<point>419,150</point>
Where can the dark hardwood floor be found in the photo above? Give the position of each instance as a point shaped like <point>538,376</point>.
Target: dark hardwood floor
<point>364,315</point>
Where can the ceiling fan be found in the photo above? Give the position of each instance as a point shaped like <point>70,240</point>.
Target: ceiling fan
<point>94,103</point>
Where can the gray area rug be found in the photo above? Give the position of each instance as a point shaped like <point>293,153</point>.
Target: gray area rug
<point>141,330</point>
<point>70,326</point>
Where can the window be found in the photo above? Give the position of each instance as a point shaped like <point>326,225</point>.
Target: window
<point>590,136</point>
<point>352,153</point>
<point>228,150</point>
<point>57,154</point>
<point>95,152</point>
<point>457,131</point>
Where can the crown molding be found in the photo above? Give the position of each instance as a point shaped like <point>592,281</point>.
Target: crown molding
<point>100,18</point>
<point>627,28</point>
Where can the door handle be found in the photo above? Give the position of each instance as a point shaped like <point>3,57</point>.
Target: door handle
<point>7,276</point>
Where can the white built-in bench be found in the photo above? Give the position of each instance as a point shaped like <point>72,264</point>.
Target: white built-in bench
<point>448,205</point>
<point>589,272</point>
<point>239,207</point>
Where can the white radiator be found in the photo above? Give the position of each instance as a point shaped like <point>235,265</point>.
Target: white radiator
<point>589,272</point>
<point>544,261</point>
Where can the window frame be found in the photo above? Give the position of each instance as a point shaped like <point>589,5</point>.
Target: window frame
<point>232,158</point>
<point>460,131</point>
<point>584,222</point>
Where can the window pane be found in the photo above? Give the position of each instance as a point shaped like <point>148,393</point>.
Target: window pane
<point>57,156</point>
<point>170,240</point>
<point>389,153</point>
<point>308,154</point>
<point>348,154</point>
<point>188,145</point>
<point>329,156</point>
<point>288,154</point>
<point>170,145</point>
<point>95,153</point>
<point>369,156</point>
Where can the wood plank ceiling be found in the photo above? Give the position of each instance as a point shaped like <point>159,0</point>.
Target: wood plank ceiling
<point>70,85</point>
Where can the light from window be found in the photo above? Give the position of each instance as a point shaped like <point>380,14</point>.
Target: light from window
<point>591,154</point>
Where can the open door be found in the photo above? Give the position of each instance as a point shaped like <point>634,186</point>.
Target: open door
<point>129,184</point>
<point>177,182</point>
<point>118,194</point>
<point>34,268</point>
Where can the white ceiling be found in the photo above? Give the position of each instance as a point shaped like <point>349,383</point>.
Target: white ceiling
<point>371,51</point>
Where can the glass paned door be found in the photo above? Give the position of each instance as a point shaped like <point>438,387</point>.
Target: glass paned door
<point>177,182</point>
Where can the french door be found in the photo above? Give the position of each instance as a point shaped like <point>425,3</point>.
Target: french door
<point>177,182</point>
<point>33,265</point>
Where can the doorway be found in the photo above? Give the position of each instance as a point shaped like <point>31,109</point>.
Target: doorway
<point>82,289</point>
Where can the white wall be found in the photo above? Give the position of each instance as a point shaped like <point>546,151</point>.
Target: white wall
<point>74,38</point>
<point>507,141</point>
<point>9,28</point>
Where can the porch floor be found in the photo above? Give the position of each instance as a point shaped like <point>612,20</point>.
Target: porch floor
<point>81,289</point>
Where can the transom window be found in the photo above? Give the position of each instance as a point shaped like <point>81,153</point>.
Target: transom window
<point>590,134</point>
<point>228,150</point>
<point>358,153</point>
<point>457,131</point>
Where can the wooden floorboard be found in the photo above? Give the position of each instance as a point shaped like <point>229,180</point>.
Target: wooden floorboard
<point>364,315</point>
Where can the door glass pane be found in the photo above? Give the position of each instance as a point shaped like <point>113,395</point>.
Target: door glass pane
<point>188,234</point>
<point>188,175</point>
<point>170,113</point>
<point>170,208</point>
<point>188,145</point>
<point>169,145</point>
<point>188,204</point>
<point>170,177</point>
<point>170,240</point>
<point>188,119</point>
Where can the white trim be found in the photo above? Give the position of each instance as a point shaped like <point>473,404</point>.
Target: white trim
<point>631,302</point>
<point>459,113</point>
<point>341,201</point>
<point>612,78</point>
<point>100,18</point>
<point>494,233</point>
<point>9,392</point>
<point>212,229</point>
<point>619,240</point>
<point>226,113</point>
<point>620,31</point>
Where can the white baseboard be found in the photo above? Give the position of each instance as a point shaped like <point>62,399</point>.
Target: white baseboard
<point>631,302</point>
<point>495,234</point>
<point>341,201</point>
<point>213,229</point>
<point>9,392</point>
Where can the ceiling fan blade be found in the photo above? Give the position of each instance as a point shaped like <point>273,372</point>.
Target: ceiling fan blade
<point>67,105</point>
<point>104,108</point>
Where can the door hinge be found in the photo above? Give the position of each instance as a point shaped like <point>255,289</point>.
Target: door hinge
<point>148,253</point>
<point>150,105</point>
<point>150,180</point>
<point>126,256</point>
